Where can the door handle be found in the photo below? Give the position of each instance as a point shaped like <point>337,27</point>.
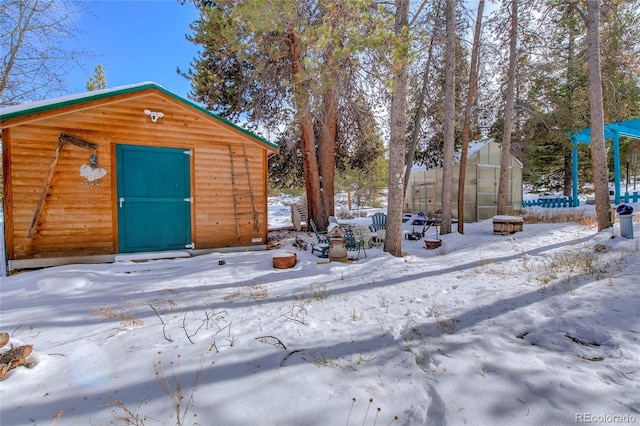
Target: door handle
<point>121,201</point>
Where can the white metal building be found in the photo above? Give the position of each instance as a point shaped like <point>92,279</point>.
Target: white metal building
<point>424,192</point>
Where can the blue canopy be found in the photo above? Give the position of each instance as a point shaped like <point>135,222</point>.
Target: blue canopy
<point>614,131</point>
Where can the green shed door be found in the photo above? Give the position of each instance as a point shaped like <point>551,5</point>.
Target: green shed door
<point>154,201</point>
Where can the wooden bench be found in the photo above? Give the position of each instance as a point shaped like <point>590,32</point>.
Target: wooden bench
<point>505,225</point>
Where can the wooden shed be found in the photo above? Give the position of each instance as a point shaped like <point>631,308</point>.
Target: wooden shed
<point>127,170</point>
<point>424,192</point>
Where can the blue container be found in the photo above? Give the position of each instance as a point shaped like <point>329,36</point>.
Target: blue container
<point>624,209</point>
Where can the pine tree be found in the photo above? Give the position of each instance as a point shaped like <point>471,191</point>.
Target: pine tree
<point>505,158</point>
<point>471,99</point>
<point>287,65</point>
<point>598,152</point>
<point>397,129</point>
<point>449,119</point>
<point>98,81</point>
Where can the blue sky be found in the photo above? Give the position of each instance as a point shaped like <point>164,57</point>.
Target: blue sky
<point>135,41</point>
<point>139,40</point>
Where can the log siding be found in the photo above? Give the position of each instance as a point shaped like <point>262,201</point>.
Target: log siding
<point>79,216</point>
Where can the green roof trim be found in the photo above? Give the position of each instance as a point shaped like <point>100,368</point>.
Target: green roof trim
<point>64,101</point>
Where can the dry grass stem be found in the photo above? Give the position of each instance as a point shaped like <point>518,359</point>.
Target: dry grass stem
<point>558,216</point>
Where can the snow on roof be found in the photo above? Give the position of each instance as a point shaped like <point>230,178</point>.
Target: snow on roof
<point>474,147</point>
<point>78,98</point>
<point>74,98</point>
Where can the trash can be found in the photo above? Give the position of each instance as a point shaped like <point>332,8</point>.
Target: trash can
<point>625,214</point>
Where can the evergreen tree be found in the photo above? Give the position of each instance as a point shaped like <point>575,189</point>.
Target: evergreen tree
<point>288,68</point>
<point>449,119</point>
<point>429,74</point>
<point>471,100</point>
<point>397,129</point>
<point>505,158</point>
<point>557,100</point>
<point>98,81</point>
<point>596,119</point>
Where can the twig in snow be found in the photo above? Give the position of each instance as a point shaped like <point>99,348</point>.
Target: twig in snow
<point>164,325</point>
<point>271,340</point>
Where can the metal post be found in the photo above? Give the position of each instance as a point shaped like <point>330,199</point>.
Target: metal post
<point>626,189</point>
<point>634,160</point>
<point>616,165</point>
<point>574,172</point>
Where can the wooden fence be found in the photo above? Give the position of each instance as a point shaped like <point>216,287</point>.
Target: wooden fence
<point>630,198</point>
<point>551,202</point>
<point>633,197</point>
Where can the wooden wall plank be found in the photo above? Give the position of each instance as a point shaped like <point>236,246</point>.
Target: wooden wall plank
<point>81,216</point>
<point>8,194</point>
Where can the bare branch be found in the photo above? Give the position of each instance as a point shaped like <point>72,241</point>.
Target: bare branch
<point>573,5</point>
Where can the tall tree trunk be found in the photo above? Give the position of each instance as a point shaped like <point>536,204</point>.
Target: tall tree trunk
<point>420,111</point>
<point>305,121</point>
<point>397,142</point>
<point>328,133</point>
<point>598,151</point>
<point>568,170</point>
<point>505,159</point>
<point>449,118</point>
<point>471,99</point>
<point>567,175</point>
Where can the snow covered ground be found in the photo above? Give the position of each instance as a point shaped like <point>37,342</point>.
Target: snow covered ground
<point>536,328</point>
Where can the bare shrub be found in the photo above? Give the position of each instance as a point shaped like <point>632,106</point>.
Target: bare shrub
<point>257,291</point>
<point>345,213</point>
<point>107,312</point>
<point>558,216</point>
<point>571,264</point>
<point>445,323</point>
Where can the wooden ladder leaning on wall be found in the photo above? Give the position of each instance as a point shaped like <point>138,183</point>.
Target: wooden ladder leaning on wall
<point>238,191</point>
